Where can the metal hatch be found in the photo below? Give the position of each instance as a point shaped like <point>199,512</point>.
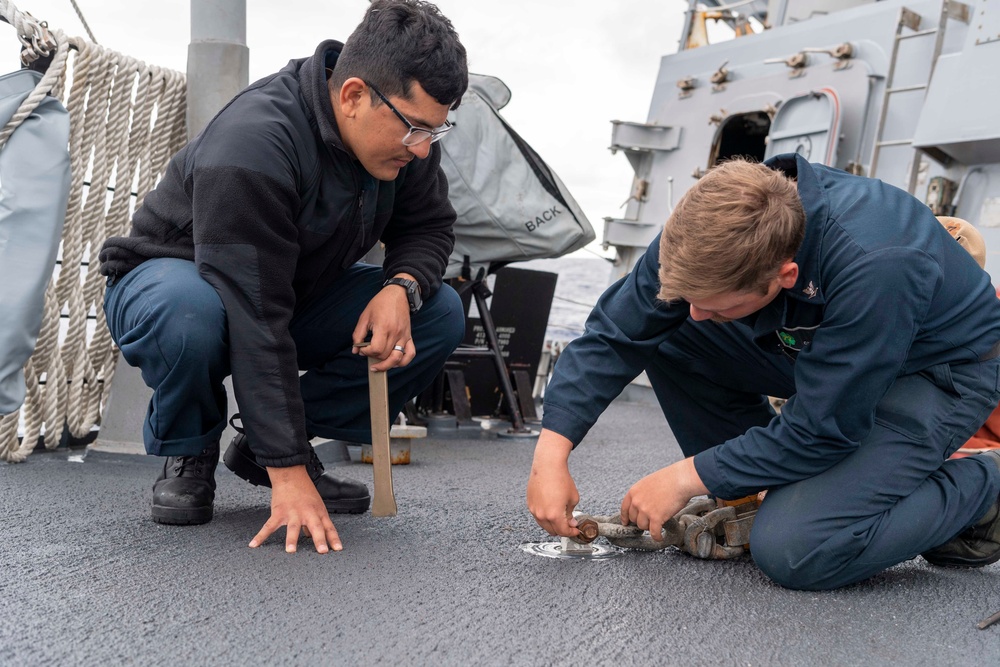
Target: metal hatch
<point>809,125</point>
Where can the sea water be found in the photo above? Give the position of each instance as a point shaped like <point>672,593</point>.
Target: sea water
<point>582,280</point>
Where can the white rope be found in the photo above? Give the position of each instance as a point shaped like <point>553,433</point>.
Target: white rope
<point>86,26</point>
<point>126,119</point>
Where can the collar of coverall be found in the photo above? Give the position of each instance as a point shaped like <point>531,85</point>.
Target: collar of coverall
<point>807,287</point>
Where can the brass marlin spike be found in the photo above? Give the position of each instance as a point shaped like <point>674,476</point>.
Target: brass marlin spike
<point>384,500</point>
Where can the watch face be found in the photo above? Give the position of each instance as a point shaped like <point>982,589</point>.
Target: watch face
<point>413,295</point>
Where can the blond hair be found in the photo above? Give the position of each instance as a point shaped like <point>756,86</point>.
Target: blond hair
<point>731,232</point>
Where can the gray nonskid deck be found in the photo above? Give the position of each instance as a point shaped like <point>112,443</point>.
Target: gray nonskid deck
<point>89,579</point>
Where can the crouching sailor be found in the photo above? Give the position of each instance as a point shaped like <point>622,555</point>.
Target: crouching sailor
<point>843,295</point>
<point>244,261</point>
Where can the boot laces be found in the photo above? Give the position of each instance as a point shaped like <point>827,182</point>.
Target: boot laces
<point>193,464</point>
<point>315,467</point>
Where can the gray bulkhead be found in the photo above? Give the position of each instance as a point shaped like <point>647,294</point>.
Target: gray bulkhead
<point>866,88</point>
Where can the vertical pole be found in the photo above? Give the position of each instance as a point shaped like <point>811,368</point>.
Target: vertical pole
<point>688,23</point>
<point>218,59</point>
<point>776,11</point>
<point>218,68</point>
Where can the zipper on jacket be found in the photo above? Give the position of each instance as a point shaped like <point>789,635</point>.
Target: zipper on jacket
<point>361,217</point>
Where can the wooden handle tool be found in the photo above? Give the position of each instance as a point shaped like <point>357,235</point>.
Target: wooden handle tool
<point>384,502</point>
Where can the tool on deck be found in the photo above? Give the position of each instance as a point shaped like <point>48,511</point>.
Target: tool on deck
<point>706,528</point>
<point>384,502</point>
<point>987,622</point>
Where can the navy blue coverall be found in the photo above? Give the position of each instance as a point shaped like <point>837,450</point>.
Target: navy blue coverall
<point>886,351</point>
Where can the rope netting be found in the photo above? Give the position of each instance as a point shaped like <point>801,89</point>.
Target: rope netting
<point>127,118</point>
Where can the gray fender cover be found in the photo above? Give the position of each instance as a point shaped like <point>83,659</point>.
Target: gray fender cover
<point>511,206</point>
<point>34,188</point>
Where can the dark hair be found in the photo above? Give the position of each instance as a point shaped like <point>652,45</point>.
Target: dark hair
<point>402,41</point>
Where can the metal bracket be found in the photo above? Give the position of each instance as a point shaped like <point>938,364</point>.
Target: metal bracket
<point>959,11</point>
<point>796,63</point>
<point>842,53</point>
<point>720,77</point>
<point>640,140</point>
<point>686,85</point>
<point>909,19</point>
<point>522,384</point>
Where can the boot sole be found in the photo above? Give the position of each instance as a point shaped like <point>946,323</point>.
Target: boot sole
<point>352,506</point>
<point>173,516</point>
<point>961,562</point>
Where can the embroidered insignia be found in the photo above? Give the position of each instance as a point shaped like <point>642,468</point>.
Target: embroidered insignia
<point>810,290</point>
<point>787,338</point>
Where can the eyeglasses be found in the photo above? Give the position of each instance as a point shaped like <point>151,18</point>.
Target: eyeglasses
<point>416,135</point>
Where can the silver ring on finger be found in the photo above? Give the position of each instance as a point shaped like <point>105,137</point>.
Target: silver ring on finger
<point>399,348</point>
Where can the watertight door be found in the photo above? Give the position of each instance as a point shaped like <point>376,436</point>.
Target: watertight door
<point>808,125</point>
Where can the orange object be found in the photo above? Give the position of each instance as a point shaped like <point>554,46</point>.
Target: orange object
<point>987,437</point>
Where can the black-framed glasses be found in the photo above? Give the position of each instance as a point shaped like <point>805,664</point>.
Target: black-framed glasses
<point>416,135</point>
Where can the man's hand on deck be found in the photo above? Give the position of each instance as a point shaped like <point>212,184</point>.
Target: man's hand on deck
<point>552,494</point>
<point>297,505</point>
<point>657,497</point>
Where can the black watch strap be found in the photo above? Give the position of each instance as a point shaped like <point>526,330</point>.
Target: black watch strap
<point>412,291</point>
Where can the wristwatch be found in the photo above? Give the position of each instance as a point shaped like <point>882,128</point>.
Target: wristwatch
<point>412,291</point>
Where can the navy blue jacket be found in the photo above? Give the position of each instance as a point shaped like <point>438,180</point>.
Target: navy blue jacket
<point>883,291</point>
<point>271,207</point>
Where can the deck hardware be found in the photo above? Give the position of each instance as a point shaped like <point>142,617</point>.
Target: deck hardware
<point>720,77</point>
<point>941,195</point>
<point>639,191</point>
<point>705,528</point>
<point>796,63</point>
<point>842,53</point>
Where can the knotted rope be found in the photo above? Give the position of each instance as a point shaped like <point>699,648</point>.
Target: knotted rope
<point>126,119</point>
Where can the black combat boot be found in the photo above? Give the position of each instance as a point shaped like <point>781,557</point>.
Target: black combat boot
<point>977,545</point>
<point>184,491</point>
<point>342,496</point>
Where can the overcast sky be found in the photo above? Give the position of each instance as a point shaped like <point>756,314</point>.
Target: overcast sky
<point>572,65</point>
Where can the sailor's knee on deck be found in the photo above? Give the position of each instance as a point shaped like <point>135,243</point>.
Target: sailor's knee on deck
<point>788,552</point>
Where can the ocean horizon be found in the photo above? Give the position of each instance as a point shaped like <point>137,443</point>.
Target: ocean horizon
<point>582,279</point>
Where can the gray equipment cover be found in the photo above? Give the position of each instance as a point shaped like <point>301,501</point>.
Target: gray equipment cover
<point>34,188</point>
<point>510,205</point>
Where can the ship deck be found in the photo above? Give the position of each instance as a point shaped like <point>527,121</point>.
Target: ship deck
<point>89,579</point>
